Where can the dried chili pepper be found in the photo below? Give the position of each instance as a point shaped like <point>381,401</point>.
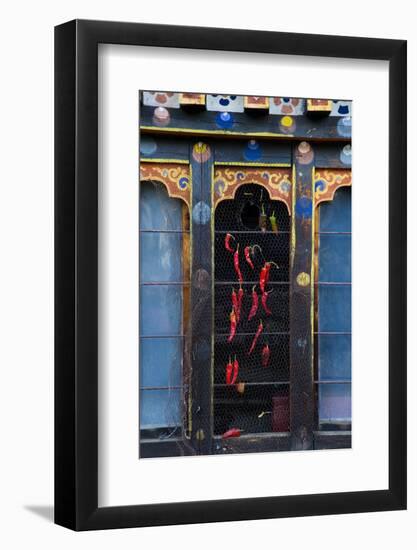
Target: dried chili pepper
<point>248,253</point>
<point>264,275</point>
<point>235,370</point>
<point>255,303</point>
<point>233,324</point>
<point>262,220</point>
<point>236,264</point>
<point>229,372</point>
<point>273,221</point>
<point>227,242</point>
<point>233,432</point>
<point>255,338</point>
<point>240,295</point>
<point>235,305</point>
<point>266,353</point>
<point>264,304</point>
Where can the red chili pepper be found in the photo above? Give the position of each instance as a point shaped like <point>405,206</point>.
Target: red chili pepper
<point>229,372</point>
<point>235,370</point>
<point>255,338</point>
<point>255,303</point>
<point>235,305</point>
<point>264,275</point>
<point>227,242</point>
<point>266,353</point>
<point>233,432</point>
<point>240,295</point>
<point>236,264</point>
<point>264,304</point>
<point>233,323</point>
<point>248,252</point>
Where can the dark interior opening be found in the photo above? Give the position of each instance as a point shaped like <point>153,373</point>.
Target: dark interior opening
<point>250,215</point>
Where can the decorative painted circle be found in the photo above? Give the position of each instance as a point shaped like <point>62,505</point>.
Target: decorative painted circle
<point>252,151</point>
<point>303,207</point>
<point>224,120</point>
<point>320,185</point>
<point>183,183</point>
<point>346,155</point>
<point>287,121</point>
<point>344,126</point>
<point>285,187</point>
<point>201,213</point>
<point>201,152</point>
<point>147,145</point>
<point>303,279</point>
<point>287,124</point>
<point>161,116</point>
<point>304,147</point>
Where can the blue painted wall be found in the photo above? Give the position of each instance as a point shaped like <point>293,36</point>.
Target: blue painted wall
<point>335,307</point>
<point>160,307</point>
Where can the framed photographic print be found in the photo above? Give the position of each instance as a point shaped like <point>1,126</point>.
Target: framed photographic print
<point>230,275</point>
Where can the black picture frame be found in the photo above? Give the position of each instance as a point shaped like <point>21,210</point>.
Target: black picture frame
<point>76,270</point>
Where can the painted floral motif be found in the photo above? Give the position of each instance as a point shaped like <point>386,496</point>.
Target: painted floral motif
<point>326,182</point>
<point>230,103</point>
<point>175,177</point>
<point>341,108</point>
<point>201,152</point>
<point>277,181</point>
<point>286,106</point>
<point>161,99</point>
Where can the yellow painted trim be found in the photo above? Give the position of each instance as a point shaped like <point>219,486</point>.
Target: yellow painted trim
<point>312,270</point>
<point>190,401</point>
<point>293,237</point>
<point>158,129</point>
<point>159,161</point>
<point>254,164</point>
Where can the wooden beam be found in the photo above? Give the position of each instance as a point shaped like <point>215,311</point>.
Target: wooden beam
<point>302,299</point>
<point>246,126</point>
<point>333,440</point>
<point>201,162</point>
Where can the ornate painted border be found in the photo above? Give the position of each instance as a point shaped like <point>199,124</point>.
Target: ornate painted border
<point>175,177</point>
<point>326,182</point>
<point>277,181</point>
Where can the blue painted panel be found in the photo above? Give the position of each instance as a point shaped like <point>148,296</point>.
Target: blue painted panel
<point>335,308</point>
<point>157,209</point>
<point>334,357</point>
<point>335,258</point>
<point>159,408</point>
<point>160,310</point>
<point>336,215</point>
<point>161,258</point>
<point>335,402</point>
<point>160,362</point>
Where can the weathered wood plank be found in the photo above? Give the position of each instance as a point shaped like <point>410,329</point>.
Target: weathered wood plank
<point>302,299</point>
<point>165,148</point>
<point>332,155</point>
<point>253,152</point>
<point>332,440</point>
<point>243,125</point>
<point>256,443</point>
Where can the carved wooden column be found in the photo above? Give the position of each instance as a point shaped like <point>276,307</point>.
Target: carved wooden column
<point>302,299</point>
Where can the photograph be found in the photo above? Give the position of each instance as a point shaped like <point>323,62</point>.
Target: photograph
<point>244,273</point>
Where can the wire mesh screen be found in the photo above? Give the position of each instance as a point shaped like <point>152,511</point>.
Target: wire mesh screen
<point>251,317</point>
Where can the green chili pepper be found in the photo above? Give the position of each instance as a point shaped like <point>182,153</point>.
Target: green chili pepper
<point>273,221</point>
